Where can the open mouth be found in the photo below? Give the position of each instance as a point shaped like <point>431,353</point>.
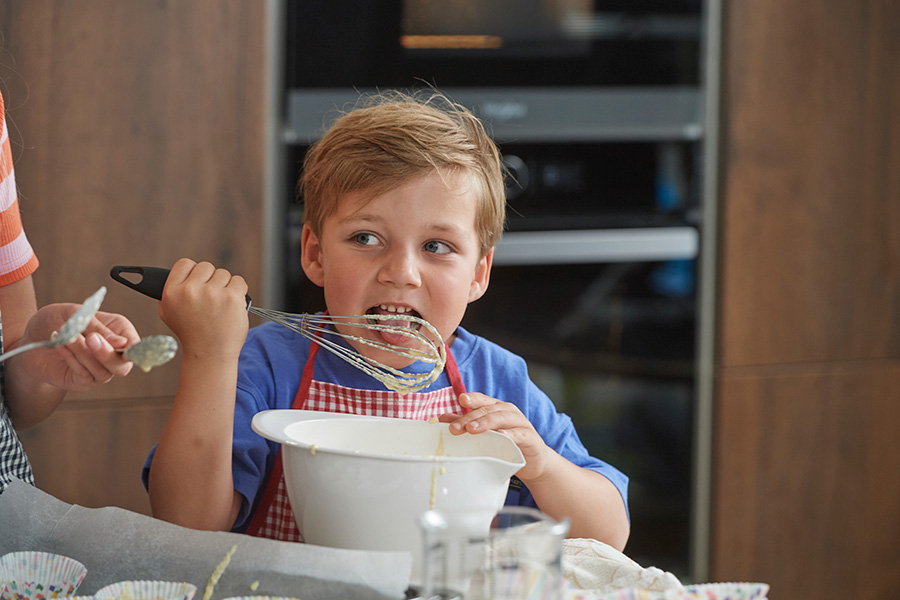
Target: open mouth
<point>400,316</point>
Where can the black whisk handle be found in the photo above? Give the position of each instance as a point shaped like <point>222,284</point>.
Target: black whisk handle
<point>151,283</point>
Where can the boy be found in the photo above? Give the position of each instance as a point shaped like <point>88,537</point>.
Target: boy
<point>403,204</point>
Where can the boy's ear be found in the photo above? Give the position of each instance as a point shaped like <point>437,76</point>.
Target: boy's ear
<point>311,256</point>
<point>482,277</point>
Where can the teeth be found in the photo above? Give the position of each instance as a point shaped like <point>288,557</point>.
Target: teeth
<point>395,309</point>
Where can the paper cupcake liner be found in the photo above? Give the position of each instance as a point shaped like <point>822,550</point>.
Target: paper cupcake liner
<point>29,575</point>
<point>721,591</point>
<point>259,598</point>
<point>147,590</point>
<point>632,593</point>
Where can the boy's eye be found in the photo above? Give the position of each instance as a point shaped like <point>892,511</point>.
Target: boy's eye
<point>436,247</point>
<point>365,239</point>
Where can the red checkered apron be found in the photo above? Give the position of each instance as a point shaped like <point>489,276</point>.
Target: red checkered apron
<point>273,518</point>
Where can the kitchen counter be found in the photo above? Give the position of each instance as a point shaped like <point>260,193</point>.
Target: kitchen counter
<point>116,545</point>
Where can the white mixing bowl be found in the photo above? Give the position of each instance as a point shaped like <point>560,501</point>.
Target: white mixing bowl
<point>362,482</point>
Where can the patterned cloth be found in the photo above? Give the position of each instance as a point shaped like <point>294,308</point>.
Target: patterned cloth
<point>330,397</point>
<point>17,261</point>
<point>13,460</point>
<point>278,521</point>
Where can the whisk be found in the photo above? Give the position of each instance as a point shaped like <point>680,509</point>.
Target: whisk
<point>428,348</point>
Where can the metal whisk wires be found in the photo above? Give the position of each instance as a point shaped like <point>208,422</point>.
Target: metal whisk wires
<point>429,345</point>
<point>322,328</point>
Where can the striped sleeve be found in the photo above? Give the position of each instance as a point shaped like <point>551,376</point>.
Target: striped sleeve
<point>17,258</point>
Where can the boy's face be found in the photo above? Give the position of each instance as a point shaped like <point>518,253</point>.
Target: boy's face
<point>414,248</point>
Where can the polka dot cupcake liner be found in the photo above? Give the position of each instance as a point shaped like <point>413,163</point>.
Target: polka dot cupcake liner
<point>632,594</point>
<point>259,598</point>
<point>30,575</point>
<point>702,591</point>
<point>721,591</point>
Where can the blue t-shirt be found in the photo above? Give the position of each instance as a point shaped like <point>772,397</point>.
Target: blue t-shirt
<point>271,365</point>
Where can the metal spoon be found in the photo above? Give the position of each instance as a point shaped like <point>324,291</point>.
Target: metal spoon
<point>151,351</point>
<point>70,330</point>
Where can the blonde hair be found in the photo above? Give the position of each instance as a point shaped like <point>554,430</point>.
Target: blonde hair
<point>393,137</point>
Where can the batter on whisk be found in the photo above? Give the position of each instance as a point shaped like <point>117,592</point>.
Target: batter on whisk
<point>403,205</point>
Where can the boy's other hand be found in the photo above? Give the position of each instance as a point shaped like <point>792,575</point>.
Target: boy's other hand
<point>489,414</point>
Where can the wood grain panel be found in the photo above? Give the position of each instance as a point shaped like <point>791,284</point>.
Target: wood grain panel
<point>139,134</point>
<point>807,442</point>
<point>811,217</point>
<point>91,452</point>
<point>806,480</point>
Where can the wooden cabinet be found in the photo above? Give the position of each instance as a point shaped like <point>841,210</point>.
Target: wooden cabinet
<point>807,420</point>
<point>138,134</point>
<point>808,473</point>
<point>811,213</point>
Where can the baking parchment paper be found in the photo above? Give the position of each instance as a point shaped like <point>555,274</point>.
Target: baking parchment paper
<point>116,545</point>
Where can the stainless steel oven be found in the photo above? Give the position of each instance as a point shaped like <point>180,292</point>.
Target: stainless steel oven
<point>491,43</point>
<point>606,320</point>
<point>599,111</point>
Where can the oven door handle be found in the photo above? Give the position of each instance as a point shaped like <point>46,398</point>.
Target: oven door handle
<point>596,246</point>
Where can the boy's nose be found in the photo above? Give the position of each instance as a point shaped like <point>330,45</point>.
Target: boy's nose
<point>400,269</point>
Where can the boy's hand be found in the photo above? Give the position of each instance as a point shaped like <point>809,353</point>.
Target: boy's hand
<point>206,308</point>
<point>489,414</point>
